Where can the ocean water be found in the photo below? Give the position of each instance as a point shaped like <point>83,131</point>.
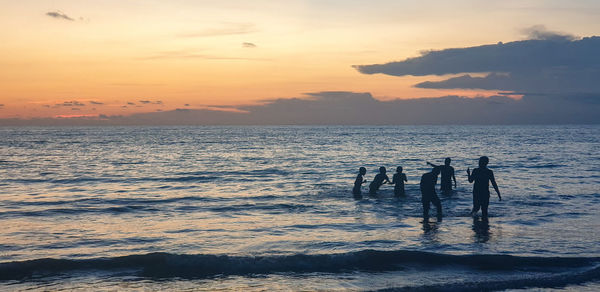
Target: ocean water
<point>270,208</point>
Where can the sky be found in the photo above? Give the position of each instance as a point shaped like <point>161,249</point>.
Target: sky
<point>123,61</point>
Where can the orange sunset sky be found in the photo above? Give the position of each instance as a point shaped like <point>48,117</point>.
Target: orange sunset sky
<point>119,57</point>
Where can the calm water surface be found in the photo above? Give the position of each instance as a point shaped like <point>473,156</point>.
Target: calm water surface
<point>270,208</point>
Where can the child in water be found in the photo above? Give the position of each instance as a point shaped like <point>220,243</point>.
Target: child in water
<point>360,179</point>
<point>398,181</point>
<point>380,178</point>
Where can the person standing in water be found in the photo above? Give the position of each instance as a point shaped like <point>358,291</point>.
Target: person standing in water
<point>360,179</point>
<point>482,176</point>
<point>398,181</point>
<point>380,178</point>
<point>447,172</point>
<point>428,194</point>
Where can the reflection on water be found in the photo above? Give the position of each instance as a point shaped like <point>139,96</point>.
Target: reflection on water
<point>481,227</point>
<point>430,229</point>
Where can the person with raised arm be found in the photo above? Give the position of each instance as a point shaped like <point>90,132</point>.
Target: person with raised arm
<point>447,173</point>
<point>482,177</point>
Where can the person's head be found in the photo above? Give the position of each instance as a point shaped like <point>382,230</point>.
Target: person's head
<point>382,170</point>
<point>435,171</point>
<point>362,170</point>
<point>447,161</point>
<point>483,161</point>
<point>399,169</point>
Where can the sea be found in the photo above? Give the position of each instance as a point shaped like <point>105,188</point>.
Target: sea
<point>270,208</point>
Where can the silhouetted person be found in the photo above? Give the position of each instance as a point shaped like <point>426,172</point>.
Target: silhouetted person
<point>380,178</point>
<point>360,179</point>
<point>428,195</point>
<point>398,181</point>
<point>482,176</point>
<point>447,172</point>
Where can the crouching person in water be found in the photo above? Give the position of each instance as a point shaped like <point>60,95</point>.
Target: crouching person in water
<point>428,194</point>
<point>380,178</point>
<point>360,179</point>
<point>482,177</point>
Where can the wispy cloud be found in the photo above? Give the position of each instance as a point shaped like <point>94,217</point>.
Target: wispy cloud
<point>76,116</point>
<point>96,102</point>
<point>73,103</point>
<point>59,15</point>
<point>157,102</point>
<point>225,29</point>
<point>248,45</point>
<point>137,84</point>
<point>187,54</point>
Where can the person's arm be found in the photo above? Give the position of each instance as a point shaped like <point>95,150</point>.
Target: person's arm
<point>493,180</point>
<point>433,165</point>
<point>469,176</point>
<point>454,178</point>
<point>404,177</point>
<point>387,179</point>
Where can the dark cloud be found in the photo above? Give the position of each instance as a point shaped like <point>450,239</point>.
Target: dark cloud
<point>350,108</point>
<point>539,32</point>
<point>130,103</point>
<point>158,102</point>
<point>551,63</point>
<point>225,29</point>
<point>73,103</point>
<point>59,15</point>
<point>248,45</point>
<point>529,55</point>
<point>362,108</point>
<point>96,102</point>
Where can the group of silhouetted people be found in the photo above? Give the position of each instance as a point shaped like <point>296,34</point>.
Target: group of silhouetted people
<point>481,176</point>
